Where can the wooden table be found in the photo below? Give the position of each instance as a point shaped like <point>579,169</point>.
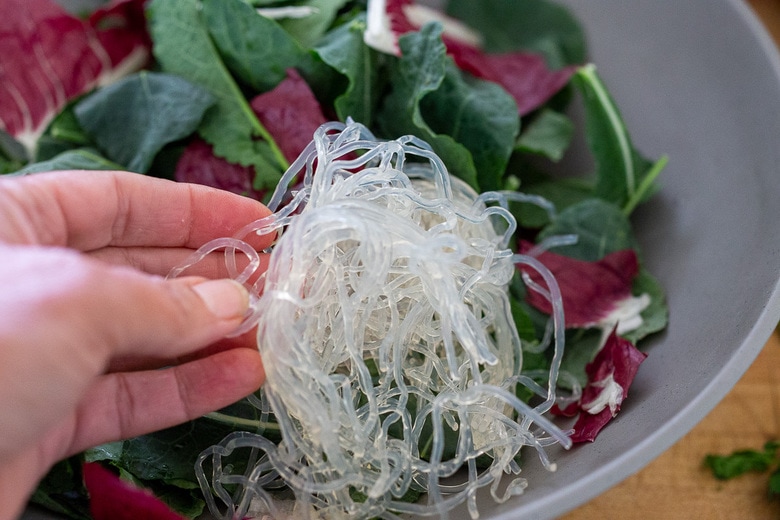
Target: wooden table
<point>676,485</point>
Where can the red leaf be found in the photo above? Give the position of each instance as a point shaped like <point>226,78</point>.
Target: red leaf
<point>199,165</point>
<point>525,76</point>
<point>590,290</point>
<point>48,57</point>
<point>613,368</point>
<point>114,499</point>
<point>290,113</point>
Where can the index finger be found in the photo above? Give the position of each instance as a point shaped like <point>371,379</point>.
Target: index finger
<point>88,210</point>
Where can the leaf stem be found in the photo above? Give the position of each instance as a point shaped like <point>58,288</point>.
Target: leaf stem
<point>645,185</point>
<point>232,420</point>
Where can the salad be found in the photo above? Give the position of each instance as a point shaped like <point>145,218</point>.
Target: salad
<point>463,113</point>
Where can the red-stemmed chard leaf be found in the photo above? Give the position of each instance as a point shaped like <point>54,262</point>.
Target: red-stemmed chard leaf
<point>525,76</point>
<point>610,375</point>
<point>111,498</point>
<point>592,292</point>
<point>289,112</point>
<point>48,57</point>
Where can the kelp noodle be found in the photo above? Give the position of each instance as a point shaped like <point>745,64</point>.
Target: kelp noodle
<point>390,352</point>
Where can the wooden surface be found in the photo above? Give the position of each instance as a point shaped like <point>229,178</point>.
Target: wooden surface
<point>676,486</point>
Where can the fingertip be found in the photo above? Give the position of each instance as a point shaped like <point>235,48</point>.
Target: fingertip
<point>226,299</point>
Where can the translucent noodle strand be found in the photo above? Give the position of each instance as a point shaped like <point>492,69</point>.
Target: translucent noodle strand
<point>391,356</point>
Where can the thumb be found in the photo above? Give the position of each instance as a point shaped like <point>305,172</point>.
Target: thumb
<point>170,318</point>
<point>63,301</point>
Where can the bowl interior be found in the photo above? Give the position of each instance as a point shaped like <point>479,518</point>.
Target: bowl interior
<point>702,85</point>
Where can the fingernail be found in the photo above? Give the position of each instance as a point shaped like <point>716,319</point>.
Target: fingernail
<point>226,299</point>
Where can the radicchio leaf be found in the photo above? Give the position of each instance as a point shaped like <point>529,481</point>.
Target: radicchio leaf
<point>524,75</point>
<point>199,165</point>
<point>114,499</point>
<point>289,112</point>
<point>590,290</point>
<point>48,57</point>
<point>610,375</point>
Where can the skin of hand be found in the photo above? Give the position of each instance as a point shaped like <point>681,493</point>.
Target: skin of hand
<point>95,344</point>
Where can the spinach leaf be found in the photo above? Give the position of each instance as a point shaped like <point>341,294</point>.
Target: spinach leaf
<point>430,98</point>
<point>134,118</point>
<point>254,48</point>
<point>533,25</point>
<point>581,347</point>
<point>79,159</point>
<point>418,72</point>
<point>62,490</point>
<point>344,50</point>
<point>623,176</point>
<point>183,46</point>
<point>562,193</point>
<point>308,30</point>
<point>601,229</point>
<point>481,116</point>
<point>549,135</point>
<point>656,316</point>
<point>739,462</point>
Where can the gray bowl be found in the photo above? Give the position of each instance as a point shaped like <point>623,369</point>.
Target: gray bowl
<point>700,82</point>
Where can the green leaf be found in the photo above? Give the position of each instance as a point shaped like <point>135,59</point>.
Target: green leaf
<point>344,50</point>
<point>656,316</point>
<point>80,159</point>
<point>581,347</point>
<point>183,46</point>
<point>469,124</point>
<point>533,25</point>
<point>134,118</point>
<point>549,135</point>
<point>601,228</point>
<point>481,116</point>
<point>562,193</point>
<point>418,72</point>
<point>256,49</point>
<point>623,176</point>
<point>308,30</point>
<point>62,490</point>
<point>774,483</point>
<point>726,467</point>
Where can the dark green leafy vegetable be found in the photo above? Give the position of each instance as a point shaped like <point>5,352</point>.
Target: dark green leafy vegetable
<point>133,119</point>
<point>623,176</point>
<point>254,48</point>
<point>470,124</point>
<point>601,228</point>
<point>548,135</point>
<point>183,46</point>
<point>78,159</point>
<point>343,49</point>
<point>726,467</point>
<point>536,25</point>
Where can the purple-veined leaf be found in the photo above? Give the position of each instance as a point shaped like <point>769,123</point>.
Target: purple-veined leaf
<point>591,291</point>
<point>524,75</point>
<point>48,57</point>
<point>111,498</point>
<point>610,375</point>
<point>290,113</point>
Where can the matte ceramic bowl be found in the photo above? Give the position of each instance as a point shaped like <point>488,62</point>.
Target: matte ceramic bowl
<point>700,82</point>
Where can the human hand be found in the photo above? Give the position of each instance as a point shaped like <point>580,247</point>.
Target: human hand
<point>87,319</point>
